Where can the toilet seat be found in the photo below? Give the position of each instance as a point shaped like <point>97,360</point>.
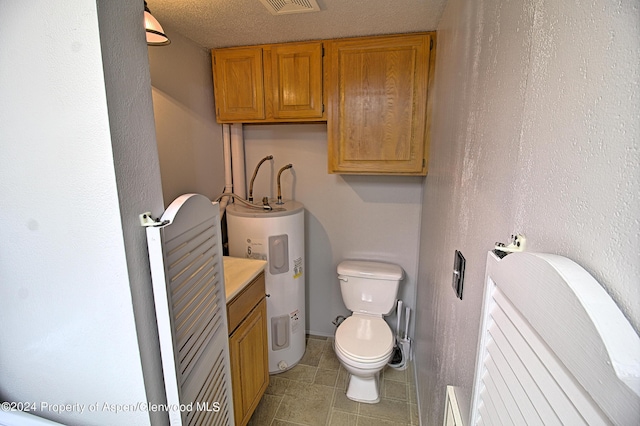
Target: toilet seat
<point>364,338</point>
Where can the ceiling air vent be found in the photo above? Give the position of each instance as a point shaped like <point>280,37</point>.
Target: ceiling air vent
<point>283,7</point>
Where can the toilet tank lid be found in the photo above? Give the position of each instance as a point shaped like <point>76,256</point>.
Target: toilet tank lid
<point>370,269</point>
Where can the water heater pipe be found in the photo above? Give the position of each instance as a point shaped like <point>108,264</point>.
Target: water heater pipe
<point>255,173</point>
<point>288,166</point>
<point>228,177</point>
<point>237,161</point>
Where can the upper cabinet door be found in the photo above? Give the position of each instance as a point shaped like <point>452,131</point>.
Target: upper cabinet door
<point>238,84</point>
<point>377,106</point>
<point>296,79</point>
<point>276,83</point>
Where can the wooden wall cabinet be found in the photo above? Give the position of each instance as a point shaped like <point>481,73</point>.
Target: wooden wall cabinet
<point>375,89</point>
<point>270,83</point>
<point>238,82</point>
<point>248,348</point>
<point>378,114</point>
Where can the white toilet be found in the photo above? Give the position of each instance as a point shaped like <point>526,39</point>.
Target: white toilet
<point>364,342</point>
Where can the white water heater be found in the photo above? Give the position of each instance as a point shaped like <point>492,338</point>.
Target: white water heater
<point>276,236</point>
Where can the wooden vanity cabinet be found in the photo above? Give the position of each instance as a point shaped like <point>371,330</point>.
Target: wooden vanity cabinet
<point>377,116</point>
<point>269,83</point>
<point>248,348</point>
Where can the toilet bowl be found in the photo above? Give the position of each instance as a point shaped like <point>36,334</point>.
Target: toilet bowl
<point>364,345</point>
<point>364,342</point>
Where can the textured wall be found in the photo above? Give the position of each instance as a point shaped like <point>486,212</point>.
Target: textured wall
<point>347,217</point>
<point>189,139</point>
<point>75,172</point>
<point>536,131</point>
<point>137,170</point>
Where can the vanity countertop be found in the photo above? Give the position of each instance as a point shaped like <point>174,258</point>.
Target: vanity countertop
<point>238,272</point>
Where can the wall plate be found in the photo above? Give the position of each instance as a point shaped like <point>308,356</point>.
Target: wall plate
<point>458,273</point>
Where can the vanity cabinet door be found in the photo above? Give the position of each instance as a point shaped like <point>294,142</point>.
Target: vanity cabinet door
<point>248,350</point>
<point>377,104</point>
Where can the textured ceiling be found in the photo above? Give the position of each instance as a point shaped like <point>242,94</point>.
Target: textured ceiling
<point>223,23</point>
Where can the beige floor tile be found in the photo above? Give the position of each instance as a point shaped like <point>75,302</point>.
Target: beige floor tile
<point>313,352</point>
<point>277,422</point>
<point>342,403</point>
<point>395,390</point>
<point>413,411</point>
<point>300,373</point>
<point>265,411</point>
<point>387,409</point>
<point>306,404</point>
<point>329,360</point>
<point>372,421</point>
<point>328,344</point>
<point>312,395</point>
<point>326,377</point>
<point>394,374</point>
<point>277,385</point>
<point>340,418</point>
<point>413,395</point>
<point>343,379</point>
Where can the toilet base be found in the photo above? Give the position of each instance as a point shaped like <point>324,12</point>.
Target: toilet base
<point>364,389</point>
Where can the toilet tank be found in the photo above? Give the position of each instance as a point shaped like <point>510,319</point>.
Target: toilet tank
<point>369,287</point>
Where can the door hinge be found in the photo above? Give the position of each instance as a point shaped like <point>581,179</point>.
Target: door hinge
<point>147,220</point>
<point>431,44</point>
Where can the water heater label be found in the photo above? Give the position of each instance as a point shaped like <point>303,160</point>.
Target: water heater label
<point>256,249</point>
<point>297,267</point>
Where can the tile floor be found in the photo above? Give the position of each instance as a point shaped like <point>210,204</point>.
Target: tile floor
<point>313,393</point>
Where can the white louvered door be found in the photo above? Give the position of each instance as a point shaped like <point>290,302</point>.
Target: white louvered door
<point>188,286</point>
<point>554,348</point>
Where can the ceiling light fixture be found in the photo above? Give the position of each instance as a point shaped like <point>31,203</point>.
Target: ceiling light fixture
<point>155,33</point>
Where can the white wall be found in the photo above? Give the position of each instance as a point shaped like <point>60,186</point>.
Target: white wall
<point>536,130</point>
<point>189,139</point>
<point>347,217</point>
<point>78,164</point>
